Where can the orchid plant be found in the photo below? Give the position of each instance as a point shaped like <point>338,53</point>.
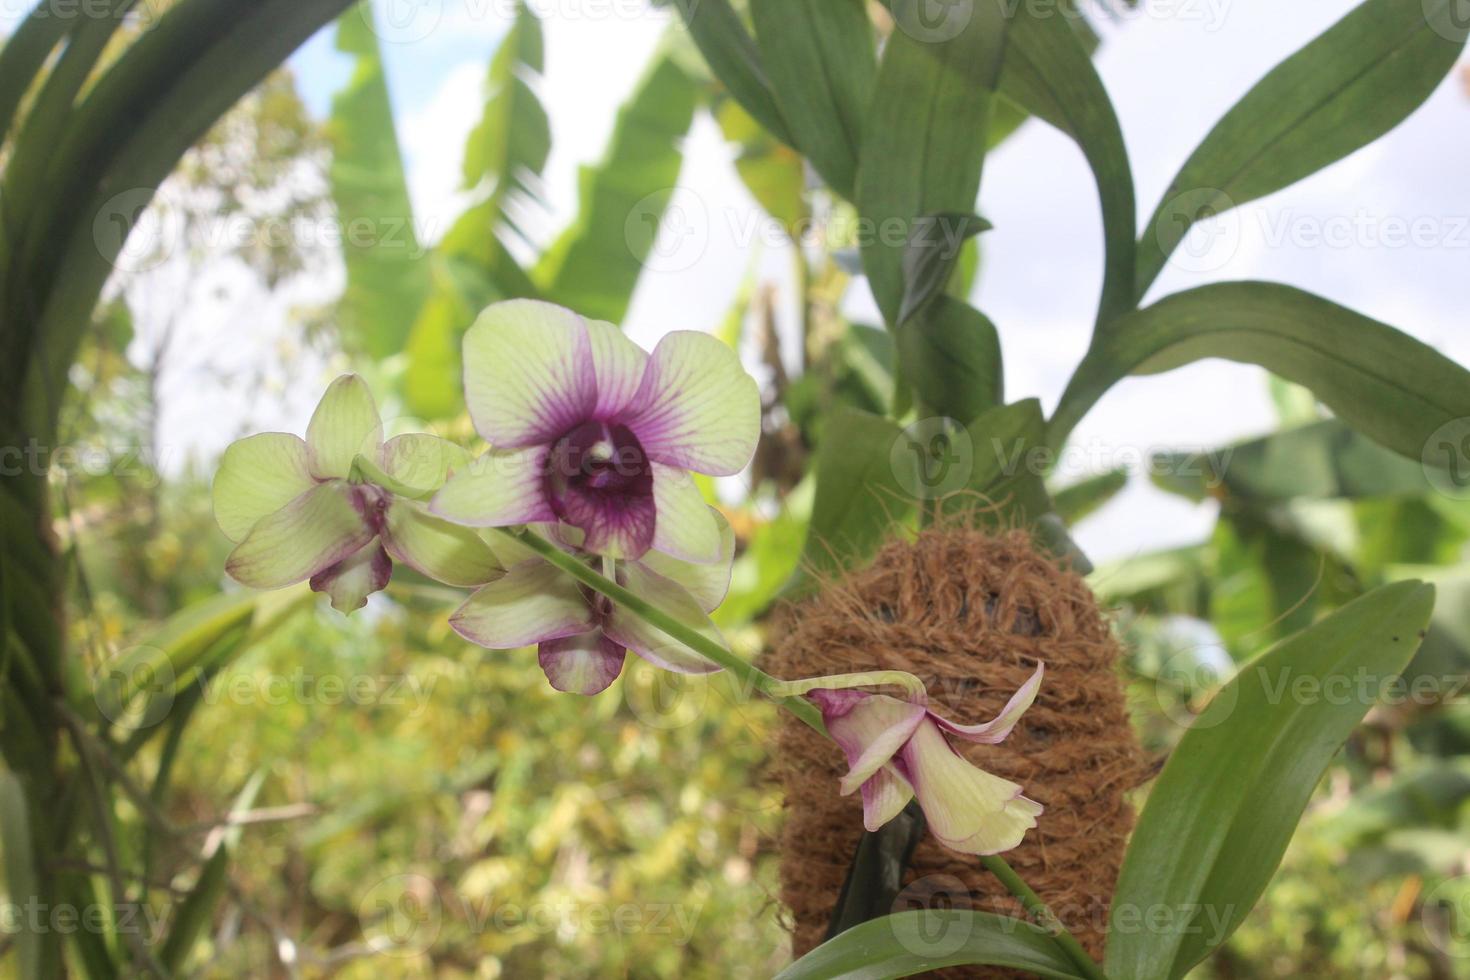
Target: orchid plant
<point>584,533</point>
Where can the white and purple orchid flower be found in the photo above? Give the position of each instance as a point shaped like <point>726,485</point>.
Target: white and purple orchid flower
<point>590,432</point>
<point>898,750</point>
<point>333,507</point>
<point>582,637</point>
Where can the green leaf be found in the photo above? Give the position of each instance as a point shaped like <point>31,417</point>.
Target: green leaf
<point>1088,495</point>
<point>932,257</point>
<point>721,37</point>
<point>875,877</point>
<point>950,355</point>
<point>1009,464</point>
<point>387,271</point>
<point>1223,810</point>
<point>1049,73</point>
<point>819,54</point>
<point>865,487</point>
<point>594,265</point>
<point>924,140</point>
<point>24,55</point>
<point>19,852</point>
<point>907,943</point>
<point>1351,85</point>
<point>192,916</point>
<point>1323,460</point>
<point>1380,381</point>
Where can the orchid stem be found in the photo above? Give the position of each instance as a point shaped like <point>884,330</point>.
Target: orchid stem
<point>1048,920</point>
<point>750,676</point>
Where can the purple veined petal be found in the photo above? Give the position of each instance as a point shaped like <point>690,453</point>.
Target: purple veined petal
<point>582,664</point>
<point>618,364</point>
<point>598,480</point>
<point>966,807</point>
<point>696,409</point>
<point>443,551</point>
<point>684,527</point>
<point>422,460</point>
<point>996,730</point>
<point>885,794</point>
<point>707,583</point>
<point>258,476</point>
<point>650,642</point>
<point>344,425</point>
<point>869,728</point>
<point>501,488</point>
<point>313,532</point>
<point>528,373</point>
<point>532,603</point>
<point>349,582</point>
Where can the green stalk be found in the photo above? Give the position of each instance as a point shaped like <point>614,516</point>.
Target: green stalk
<point>1033,904</point>
<point>751,677</point>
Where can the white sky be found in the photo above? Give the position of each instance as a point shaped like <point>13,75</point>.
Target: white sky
<point>1172,70</point>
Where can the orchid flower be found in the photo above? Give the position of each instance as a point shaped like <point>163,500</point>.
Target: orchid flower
<point>898,750</point>
<point>334,507</point>
<point>582,636</point>
<point>588,430</point>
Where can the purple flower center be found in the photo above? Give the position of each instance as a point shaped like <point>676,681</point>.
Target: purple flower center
<point>598,478</point>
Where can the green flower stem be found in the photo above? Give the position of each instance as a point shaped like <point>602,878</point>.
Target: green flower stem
<point>773,688</point>
<point>749,675</point>
<point>1033,904</point>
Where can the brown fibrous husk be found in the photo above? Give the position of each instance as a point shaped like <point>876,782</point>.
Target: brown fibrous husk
<point>970,613</point>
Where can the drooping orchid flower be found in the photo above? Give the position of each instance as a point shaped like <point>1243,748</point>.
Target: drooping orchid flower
<point>582,637</point>
<point>334,507</point>
<point>588,430</point>
<point>898,750</point>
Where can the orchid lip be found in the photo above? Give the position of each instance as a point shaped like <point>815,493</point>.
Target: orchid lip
<point>598,478</point>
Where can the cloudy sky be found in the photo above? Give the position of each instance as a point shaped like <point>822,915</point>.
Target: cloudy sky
<point>1172,68</point>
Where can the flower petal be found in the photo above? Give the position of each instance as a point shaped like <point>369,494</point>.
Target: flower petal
<point>583,664</point>
<point>618,364</point>
<point>707,583</point>
<point>498,489</point>
<point>443,551</point>
<point>696,409</point>
<point>684,526</point>
<point>354,578</point>
<point>532,603</point>
<point>311,533</point>
<point>869,728</point>
<point>652,643</point>
<point>345,424</point>
<point>996,730</point>
<point>423,461</point>
<point>258,476</point>
<point>528,373</point>
<point>968,808</point>
<point>885,794</point>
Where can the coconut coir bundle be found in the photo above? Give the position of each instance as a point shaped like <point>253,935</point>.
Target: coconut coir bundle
<point>970,613</point>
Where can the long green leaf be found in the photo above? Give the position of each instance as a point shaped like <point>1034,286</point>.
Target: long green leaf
<point>820,57</point>
<point>924,141</point>
<point>1380,381</point>
<point>1323,460</point>
<point>595,264</point>
<point>387,272</point>
<point>1226,805</point>
<point>19,853</point>
<point>192,916</point>
<point>23,57</point>
<point>950,354</point>
<point>866,481</point>
<point>1355,82</point>
<point>907,943</point>
<point>722,39</point>
<point>1049,72</point>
